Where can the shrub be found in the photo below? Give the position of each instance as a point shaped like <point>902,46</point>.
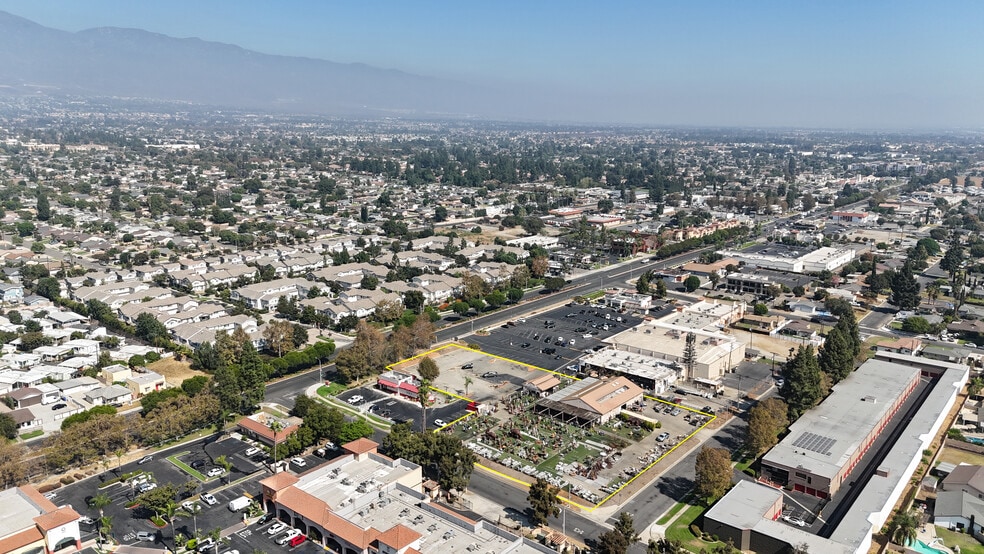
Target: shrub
<point>67,480</point>
<point>696,530</point>
<point>49,487</point>
<point>79,476</point>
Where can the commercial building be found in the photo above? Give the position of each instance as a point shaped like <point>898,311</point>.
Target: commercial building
<point>747,514</point>
<point>267,428</point>
<point>365,503</point>
<point>590,401</point>
<point>652,374</point>
<point>30,523</point>
<point>825,444</point>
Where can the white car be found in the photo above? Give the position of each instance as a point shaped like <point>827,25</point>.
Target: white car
<point>209,499</point>
<point>87,520</point>
<point>276,528</point>
<point>146,487</point>
<point>289,535</point>
<point>440,422</point>
<point>190,506</point>
<point>215,472</point>
<point>298,461</point>
<point>355,399</point>
<point>253,451</point>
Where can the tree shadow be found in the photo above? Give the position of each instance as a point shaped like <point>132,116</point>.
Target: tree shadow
<point>674,487</point>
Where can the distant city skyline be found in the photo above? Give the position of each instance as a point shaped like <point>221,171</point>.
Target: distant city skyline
<point>838,64</point>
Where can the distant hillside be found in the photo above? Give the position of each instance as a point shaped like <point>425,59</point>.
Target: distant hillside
<point>133,63</point>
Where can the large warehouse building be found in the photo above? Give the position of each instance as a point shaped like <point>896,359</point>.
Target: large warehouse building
<point>825,444</point>
<point>749,514</point>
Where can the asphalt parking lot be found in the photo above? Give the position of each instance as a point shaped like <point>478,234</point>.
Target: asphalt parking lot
<point>255,538</point>
<point>526,339</point>
<point>401,409</point>
<point>127,522</point>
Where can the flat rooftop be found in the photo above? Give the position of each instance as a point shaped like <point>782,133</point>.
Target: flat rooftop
<point>17,512</point>
<point>348,478</point>
<point>669,341</point>
<point>630,363</point>
<point>824,438</point>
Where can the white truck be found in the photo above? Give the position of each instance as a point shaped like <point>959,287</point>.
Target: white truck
<point>237,504</point>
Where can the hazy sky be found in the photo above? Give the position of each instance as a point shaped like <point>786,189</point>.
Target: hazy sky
<point>831,63</point>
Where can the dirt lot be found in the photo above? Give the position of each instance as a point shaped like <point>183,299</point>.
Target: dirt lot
<point>174,372</point>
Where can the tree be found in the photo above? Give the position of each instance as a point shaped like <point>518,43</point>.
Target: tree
<point>903,528</point>
<point>252,379</point>
<point>642,283</point>
<point>279,337</point>
<point>803,384</point>
<point>712,469</point>
<point>423,397</point>
<point>414,300</point>
<point>194,385</point>
<point>766,420</point>
<point>543,501</point>
<point>149,328</point>
<point>538,266</point>
<point>554,283</point>
<point>905,288</point>
<point>625,526</point>
<point>692,283</point>
<point>495,299</point>
<point>428,369</point>
<point>468,383</point>
<point>205,357</point>
<point>612,542</point>
<point>99,502</point>
<point>48,287</point>
<point>8,427</point>
<point>760,309</point>
<point>952,260</point>
<point>460,308</point>
<point>916,324</point>
<point>836,357</point>
<point>690,352</point>
<point>659,290</point>
<point>43,207</point>
<point>605,205</point>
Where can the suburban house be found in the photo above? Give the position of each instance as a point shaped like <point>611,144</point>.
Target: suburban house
<point>960,499</point>
<point>143,383</point>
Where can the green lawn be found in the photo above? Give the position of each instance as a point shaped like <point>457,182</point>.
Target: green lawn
<point>185,467</point>
<point>967,543</point>
<point>32,434</point>
<point>680,530</point>
<point>332,389</point>
<point>579,454</point>
<point>672,512</point>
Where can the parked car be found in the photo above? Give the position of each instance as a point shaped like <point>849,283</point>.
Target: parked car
<point>86,520</point>
<point>253,451</point>
<point>355,399</point>
<point>145,459</point>
<point>144,487</point>
<point>288,536</point>
<point>58,406</point>
<point>209,499</point>
<point>146,536</point>
<point>440,423</point>
<point>297,540</point>
<point>215,472</point>
<point>276,528</point>
<point>205,544</point>
<point>468,366</point>
<point>190,506</point>
<point>298,461</point>
<point>265,518</point>
<point>662,437</point>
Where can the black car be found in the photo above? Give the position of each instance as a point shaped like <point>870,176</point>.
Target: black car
<point>525,345</point>
<point>58,406</point>
<point>468,366</point>
<point>265,518</point>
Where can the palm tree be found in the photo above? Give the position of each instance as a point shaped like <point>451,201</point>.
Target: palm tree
<point>276,426</point>
<point>172,510</point>
<point>105,527</point>
<point>224,462</point>
<point>423,392</point>
<point>195,509</point>
<point>216,536</point>
<point>468,382</point>
<point>903,528</point>
<point>99,502</point>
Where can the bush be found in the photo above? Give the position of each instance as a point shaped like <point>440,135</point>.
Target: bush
<point>696,530</point>
<point>49,487</point>
<point>67,480</point>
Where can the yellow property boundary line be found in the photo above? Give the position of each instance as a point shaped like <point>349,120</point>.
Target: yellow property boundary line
<point>589,509</point>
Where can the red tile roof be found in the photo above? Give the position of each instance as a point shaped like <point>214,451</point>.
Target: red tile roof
<point>20,540</point>
<point>361,446</point>
<point>398,537</point>
<point>57,518</point>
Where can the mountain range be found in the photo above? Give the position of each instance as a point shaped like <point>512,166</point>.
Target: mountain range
<point>132,63</point>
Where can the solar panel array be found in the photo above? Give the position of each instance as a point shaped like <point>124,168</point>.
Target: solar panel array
<point>815,443</point>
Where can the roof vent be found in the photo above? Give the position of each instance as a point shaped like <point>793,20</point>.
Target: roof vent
<point>869,398</point>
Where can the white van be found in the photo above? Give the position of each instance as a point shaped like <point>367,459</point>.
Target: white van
<point>237,504</point>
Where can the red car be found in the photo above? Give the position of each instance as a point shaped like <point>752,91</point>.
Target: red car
<point>297,540</point>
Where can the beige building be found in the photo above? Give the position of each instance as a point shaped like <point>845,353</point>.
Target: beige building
<point>30,523</point>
